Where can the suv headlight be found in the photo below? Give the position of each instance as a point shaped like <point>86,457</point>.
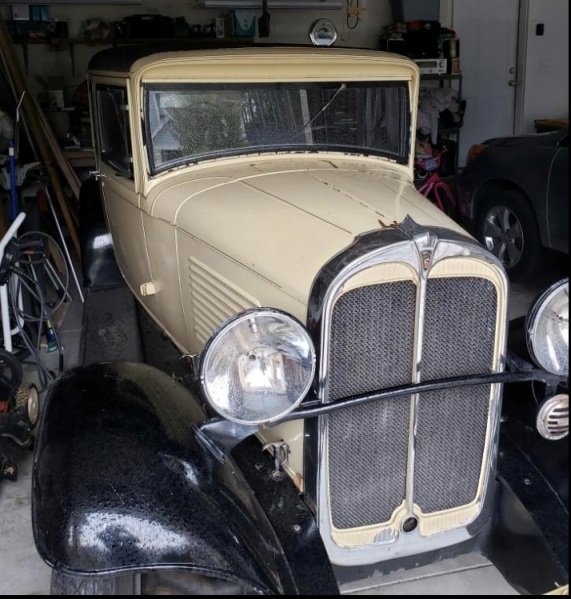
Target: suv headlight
<point>548,329</point>
<point>258,366</point>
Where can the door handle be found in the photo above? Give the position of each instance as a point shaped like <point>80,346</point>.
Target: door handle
<point>97,175</point>
<point>512,83</point>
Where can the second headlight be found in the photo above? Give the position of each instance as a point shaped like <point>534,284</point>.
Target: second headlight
<point>258,366</point>
<point>548,329</point>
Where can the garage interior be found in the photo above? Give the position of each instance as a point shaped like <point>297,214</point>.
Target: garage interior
<point>489,69</point>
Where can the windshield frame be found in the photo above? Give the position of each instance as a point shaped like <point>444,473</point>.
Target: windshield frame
<point>405,133</point>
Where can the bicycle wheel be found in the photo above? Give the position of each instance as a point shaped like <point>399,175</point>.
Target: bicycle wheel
<point>445,198</point>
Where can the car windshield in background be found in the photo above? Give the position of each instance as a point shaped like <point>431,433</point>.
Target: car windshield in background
<point>187,123</point>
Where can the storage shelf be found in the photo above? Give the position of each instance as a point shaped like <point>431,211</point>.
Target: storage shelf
<point>444,76</point>
<point>191,41</point>
<point>65,44</point>
<point>444,81</point>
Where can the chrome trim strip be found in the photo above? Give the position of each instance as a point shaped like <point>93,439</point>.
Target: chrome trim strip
<point>405,243</point>
<point>425,245</point>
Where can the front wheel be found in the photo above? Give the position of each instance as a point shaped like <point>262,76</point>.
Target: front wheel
<point>65,584</point>
<point>507,227</point>
<point>159,582</point>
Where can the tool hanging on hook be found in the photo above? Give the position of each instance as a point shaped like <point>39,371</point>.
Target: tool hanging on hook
<point>13,146</point>
<point>264,21</point>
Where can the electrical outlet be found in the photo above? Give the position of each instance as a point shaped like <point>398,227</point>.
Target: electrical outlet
<point>544,66</point>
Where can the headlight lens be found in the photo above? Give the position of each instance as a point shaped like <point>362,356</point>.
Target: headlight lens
<point>258,367</point>
<point>548,329</point>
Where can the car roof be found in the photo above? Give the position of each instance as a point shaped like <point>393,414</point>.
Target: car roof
<point>122,59</point>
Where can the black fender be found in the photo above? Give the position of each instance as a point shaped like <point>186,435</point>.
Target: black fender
<point>99,266</point>
<point>536,469</point>
<point>120,483</point>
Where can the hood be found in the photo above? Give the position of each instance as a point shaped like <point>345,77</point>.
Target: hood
<point>551,138</point>
<point>285,219</point>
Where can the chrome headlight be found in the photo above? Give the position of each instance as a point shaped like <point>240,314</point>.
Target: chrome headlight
<point>548,329</point>
<point>258,366</point>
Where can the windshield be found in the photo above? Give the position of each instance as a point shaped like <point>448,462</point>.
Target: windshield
<point>187,123</point>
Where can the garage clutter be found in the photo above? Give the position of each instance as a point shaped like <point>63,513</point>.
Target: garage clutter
<point>436,51</point>
<point>38,237</point>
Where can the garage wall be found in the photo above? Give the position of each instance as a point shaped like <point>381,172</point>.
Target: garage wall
<point>287,26</point>
<point>546,63</point>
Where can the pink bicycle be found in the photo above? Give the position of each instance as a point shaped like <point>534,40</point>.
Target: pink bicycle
<point>432,186</point>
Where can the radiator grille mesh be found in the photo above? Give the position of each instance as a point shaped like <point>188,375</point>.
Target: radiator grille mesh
<point>372,338</point>
<point>460,328</point>
<point>372,347</point>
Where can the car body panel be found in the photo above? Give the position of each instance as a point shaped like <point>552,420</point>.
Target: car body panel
<point>339,203</point>
<point>138,491</point>
<point>525,163</point>
<point>558,201</point>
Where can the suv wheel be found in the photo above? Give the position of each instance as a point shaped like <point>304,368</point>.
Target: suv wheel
<point>506,226</point>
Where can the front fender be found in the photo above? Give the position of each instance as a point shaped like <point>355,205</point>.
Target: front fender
<point>120,483</point>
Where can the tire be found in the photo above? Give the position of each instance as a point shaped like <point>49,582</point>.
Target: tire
<point>506,225</point>
<point>66,584</point>
<point>159,582</point>
<point>10,374</point>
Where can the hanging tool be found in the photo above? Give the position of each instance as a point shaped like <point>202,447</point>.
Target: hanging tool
<point>264,21</point>
<point>13,190</point>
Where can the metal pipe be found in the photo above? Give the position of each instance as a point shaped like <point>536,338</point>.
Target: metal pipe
<point>64,244</point>
<point>316,408</point>
<point>4,306</point>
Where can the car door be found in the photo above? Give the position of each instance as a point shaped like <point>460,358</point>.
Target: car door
<point>558,199</point>
<point>121,198</point>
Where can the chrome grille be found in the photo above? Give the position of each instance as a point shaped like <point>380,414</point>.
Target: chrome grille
<point>459,339</point>
<point>371,348</point>
<point>372,337</point>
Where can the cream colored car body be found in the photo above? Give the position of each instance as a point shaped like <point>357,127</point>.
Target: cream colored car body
<point>199,244</point>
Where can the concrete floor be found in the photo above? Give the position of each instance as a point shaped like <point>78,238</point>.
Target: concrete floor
<point>22,571</point>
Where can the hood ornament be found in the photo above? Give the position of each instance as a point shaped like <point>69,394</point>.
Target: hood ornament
<point>426,258</point>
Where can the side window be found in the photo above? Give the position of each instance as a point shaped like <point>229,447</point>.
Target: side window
<point>114,133</point>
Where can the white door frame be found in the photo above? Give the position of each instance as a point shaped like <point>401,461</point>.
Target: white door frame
<point>447,13</point>
<point>447,20</point>
<point>523,32</point>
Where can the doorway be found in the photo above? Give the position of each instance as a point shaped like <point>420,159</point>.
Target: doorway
<point>488,33</point>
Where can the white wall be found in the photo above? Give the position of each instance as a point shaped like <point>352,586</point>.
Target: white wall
<point>287,26</point>
<point>546,67</point>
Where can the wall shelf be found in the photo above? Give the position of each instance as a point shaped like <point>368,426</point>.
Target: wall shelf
<point>64,44</point>
<point>443,77</point>
<point>449,80</point>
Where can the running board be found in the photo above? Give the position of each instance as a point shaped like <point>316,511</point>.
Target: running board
<point>110,327</point>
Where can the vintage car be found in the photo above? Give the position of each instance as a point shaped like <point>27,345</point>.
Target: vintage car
<point>338,426</point>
